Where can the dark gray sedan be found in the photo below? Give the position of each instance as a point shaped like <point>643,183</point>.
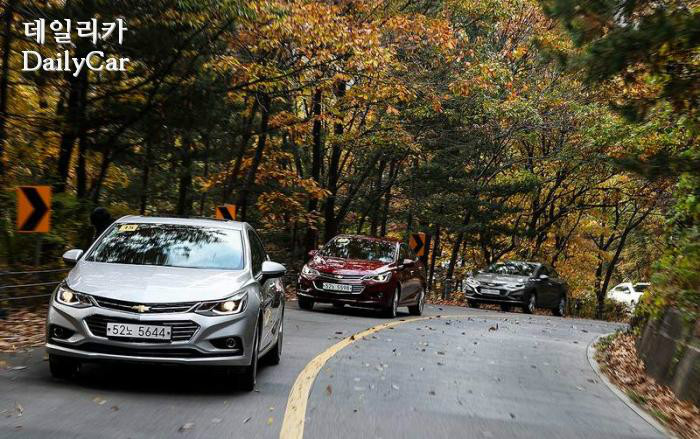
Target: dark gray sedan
<point>529,285</point>
<point>169,290</point>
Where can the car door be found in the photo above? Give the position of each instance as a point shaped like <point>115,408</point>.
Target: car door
<point>404,274</point>
<point>258,256</point>
<point>545,291</point>
<point>558,286</point>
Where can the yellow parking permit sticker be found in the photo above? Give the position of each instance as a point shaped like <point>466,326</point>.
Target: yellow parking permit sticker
<point>128,227</point>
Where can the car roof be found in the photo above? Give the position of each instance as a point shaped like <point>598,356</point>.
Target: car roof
<point>197,222</point>
<point>370,238</point>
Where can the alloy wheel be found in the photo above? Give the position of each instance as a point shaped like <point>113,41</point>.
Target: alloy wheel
<point>532,303</point>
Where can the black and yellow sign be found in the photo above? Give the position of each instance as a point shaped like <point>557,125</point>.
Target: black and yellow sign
<point>419,244</point>
<point>227,211</point>
<point>33,209</point>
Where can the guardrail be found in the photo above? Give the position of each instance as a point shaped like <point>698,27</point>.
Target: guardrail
<point>6,288</point>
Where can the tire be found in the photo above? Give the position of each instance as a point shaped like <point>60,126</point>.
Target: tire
<point>275,355</point>
<point>473,304</point>
<point>63,368</point>
<point>531,305</point>
<point>505,307</point>
<point>392,310</point>
<point>248,379</point>
<point>306,304</point>
<point>417,309</point>
<point>560,310</point>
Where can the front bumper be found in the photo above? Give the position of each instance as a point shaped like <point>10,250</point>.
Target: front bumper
<point>87,342</point>
<point>511,297</point>
<point>369,295</point>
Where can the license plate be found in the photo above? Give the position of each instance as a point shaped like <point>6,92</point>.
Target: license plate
<point>129,330</point>
<point>490,291</point>
<point>337,287</point>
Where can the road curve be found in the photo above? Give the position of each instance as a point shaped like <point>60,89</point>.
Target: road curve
<point>453,377</point>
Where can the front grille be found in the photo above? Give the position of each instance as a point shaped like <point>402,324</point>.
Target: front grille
<point>341,276</point>
<point>153,353</point>
<point>122,305</point>
<point>182,330</point>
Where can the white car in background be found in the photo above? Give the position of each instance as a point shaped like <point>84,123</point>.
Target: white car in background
<point>628,292</point>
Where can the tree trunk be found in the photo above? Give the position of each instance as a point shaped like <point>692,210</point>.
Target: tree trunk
<point>316,157</point>
<point>184,199</point>
<point>5,81</point>
<point>96,189</point>
<point>456,246</point>
<point>74,124</point>
<point>145,175</point>
<point>376,194</point>
<point>81,171</point>
<point>387,199</point>
<point>433,257</point>
<point>247,134</point>
<point>203,198</point>
<point>242,204</point>
<point>331,226</point>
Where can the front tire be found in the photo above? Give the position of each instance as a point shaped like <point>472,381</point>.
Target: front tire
<point>531,304</point>
<point>63,368</point>
<point>275,355</point>
<point>392,310</point>
<point>306,304</point>
<point>473,304</point>
<point>417,309</point>
<point>505,307</point>
<point>248,379</point>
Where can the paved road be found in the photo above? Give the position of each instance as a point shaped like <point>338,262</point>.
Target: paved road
<point>449,377</point>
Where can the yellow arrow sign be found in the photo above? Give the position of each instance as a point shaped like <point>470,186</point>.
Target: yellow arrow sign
<point>33,209</point>
<point>417,243</point>
<point>227,212</point>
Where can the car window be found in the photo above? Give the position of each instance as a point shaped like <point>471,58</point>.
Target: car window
<point>554,274</point>
<point>403,253</point>
<point>170,245</point>
<point>358,248</point>
<point>257,252</point>
<point>543,270</point>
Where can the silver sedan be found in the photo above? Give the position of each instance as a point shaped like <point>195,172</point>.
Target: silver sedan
<point>169,290</point>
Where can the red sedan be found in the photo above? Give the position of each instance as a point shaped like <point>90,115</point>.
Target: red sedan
<point>363,271</point>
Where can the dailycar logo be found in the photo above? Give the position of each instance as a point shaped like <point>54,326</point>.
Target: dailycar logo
<point>94,60</point>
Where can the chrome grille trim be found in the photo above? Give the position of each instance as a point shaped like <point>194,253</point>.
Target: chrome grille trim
<point>123,305</point>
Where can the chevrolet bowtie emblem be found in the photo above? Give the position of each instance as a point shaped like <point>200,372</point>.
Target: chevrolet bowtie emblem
<point>141,308</point>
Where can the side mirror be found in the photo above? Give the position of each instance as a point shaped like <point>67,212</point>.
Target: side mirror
<point>272,270</point>
<point>543,276</point>
<point>408,263</point>
<point>312,253</point>
<point>71,257</point>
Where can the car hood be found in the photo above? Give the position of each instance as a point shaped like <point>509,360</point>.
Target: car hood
<point>501,279</point>
<point>346,266</point>
<point>154,284</point>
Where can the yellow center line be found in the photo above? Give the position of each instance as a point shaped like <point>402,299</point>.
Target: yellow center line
<point>295,414</point>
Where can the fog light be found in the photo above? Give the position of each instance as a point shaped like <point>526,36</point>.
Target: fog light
<point>60,333</point>
<point>230,342</point>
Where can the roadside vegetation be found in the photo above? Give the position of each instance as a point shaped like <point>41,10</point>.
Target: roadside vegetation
<point>506,129</point>
<point>617,356</point>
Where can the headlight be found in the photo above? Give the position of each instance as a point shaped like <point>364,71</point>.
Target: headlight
<point>472,282</point>
<point>307,271</point>
<point>232,305</point>
<point>380,278</point>
<point>66,296</point>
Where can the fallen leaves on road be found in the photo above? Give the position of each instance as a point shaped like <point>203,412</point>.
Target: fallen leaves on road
<point>23,328</point>
<point>494,328</point>
<point>619,361</point>
<point>186,427</point>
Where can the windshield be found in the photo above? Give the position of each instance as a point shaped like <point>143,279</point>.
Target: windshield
<point>358,248</point>
<point>512,268</point>
<point>170,245</point>
<point>641,287</point>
